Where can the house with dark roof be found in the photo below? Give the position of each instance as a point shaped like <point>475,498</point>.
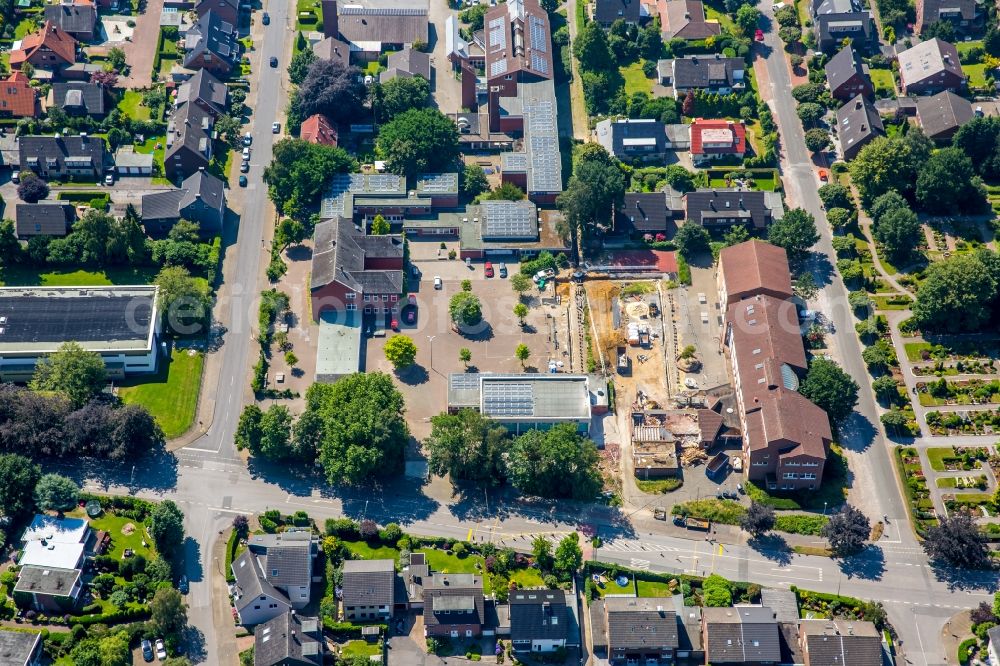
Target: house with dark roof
<point>368,590</point>
<point>720,208</point>
<point>273,576</point>
<point>76,17</point>
<point>78,98</point>
<point>651,212</point>
<point>201,198</point>
<point>351,270</point>
<point>713,74</point>
<point>837,20</point>
<point>332,48</point>
<point>858,122</point>
<point>930,67</point>
<point>454,605</point>
<point>289,639</point>
<point>18,99</point>
<point>607,12</point>
<point>42,219</point>
<point>20,648</point>
<point>371,27</point>
<point>847,76</point>
<point>941,115</point>
<point>50,49</point>
<point>840,642</point>
<point>540,620</point>
<point>633,139</point>
<point>717,139</point>
<point>317,128</point>
<point>188,142</point>
<point>212,44</point>
<point>685,19</point>
<point>740,635</point>
<point>407,63</point>
<point>254,598</point>
<point>204,90</point>
<point>629,630</point>
<point>227,10</point>
<point>63,157</point>
<point>50,589</point>
<point>964,15</point>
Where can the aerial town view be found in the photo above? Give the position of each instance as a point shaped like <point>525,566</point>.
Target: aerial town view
<point>426,332</point>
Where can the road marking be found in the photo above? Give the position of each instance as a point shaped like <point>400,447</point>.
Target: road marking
<point>469,536</point>
<point>642,565</point>
<point>191,448</point>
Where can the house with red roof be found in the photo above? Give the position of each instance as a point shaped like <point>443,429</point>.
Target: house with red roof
<point>714,139</point>
<point>50,48</point>
<point>317,128</point>
<point>17,98</point>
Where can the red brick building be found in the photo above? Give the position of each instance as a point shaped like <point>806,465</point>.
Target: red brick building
<point>50,48</point>
<point>17,98</point>
<point>317,128</point>
<point>714,139</point>
<point>454,605</point>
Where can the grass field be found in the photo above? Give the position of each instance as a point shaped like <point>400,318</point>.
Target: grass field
<point>937,454</point>
<point>882,80</point>
<point>713,14</point>
<point>611,587</point>
<point>149,146</point>
<point>361,648</point>
<point>976,74</point>
<point>362,551</point>
<point>913,349</point>
<point>171,395</point>
<point>28,277</point>
<point>527,578</point>
<point>119,542</point>
<point>131,105</point>
<point>650,589</point>
<point>441,561</point>
<point>635,79</point>
<point>26,25</point>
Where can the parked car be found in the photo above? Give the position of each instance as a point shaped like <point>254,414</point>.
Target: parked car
<point>758,35</point>
<point>274,61</point>
<point>468,263</point>
<point>161,650</point>
<point>147,650</point>
<point>243,181</point>
<point>109,179</point>
<point>15,178</point>
<point>488,269</point>
<point>437,282</point>
<point>247,139</point>
<point>544,274</point>
<point>246,152</point>
<point>244,166</point>
<point>275,128</point>
<point>183,585</point>
<point>503,270</point>
<point>266,19</point>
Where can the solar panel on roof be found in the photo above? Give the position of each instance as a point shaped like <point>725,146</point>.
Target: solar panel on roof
<point>498,67</point>
<point>464,381</point>
<point>538,33</point>
<point>441,182</point>
<point>506,219</point>
<point>539,63</point>
<point>508,399</point>
<point>498,36</point>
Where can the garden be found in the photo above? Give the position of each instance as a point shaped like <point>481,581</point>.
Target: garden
<point>967,392</point>
<point>728,512</point>
<point>171,395</point>
<point>918,495</point>
<point>971,422</point>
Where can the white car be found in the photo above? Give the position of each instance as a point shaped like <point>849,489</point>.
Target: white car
<point>161,651</point>
<point>109,179</point>
<point>246,153</point>
<point>437,282</point>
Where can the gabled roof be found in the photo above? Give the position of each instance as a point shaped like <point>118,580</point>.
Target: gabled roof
<point>842,66</point>
<point>619,136</point>
<point>47,580</point>
<point>634,623</point>
<point>211,34</point>
<point>17,96</point>
<point>289,565</point>
<point>755,266</point>
<point>943,113</point>
<point>609,11</point>
<point>288,640</point>
<point>705,205</point>
<point>317,128</point>
<point>332,48</point>
<point>72,17</point>
<point>50,36</point>
<point>251,583</point>
<point>383,21</point>
<point>652,211</point>
<point>17,647</point>
<point>190,128</point>
<point>538,615</point>
<point>205,88</point>
<point>928,60</point>
<point>369,583</point>
<point>685,19</point>
<point>700,71</point>
<point>841,642</point>
<point>783,415</point>
<point>408,62</point>
<point>61,147</point>
<point>765,330</point>
<point>43,219</point>
<point>857,122</point>
<point>89,98</point>
<point>461,595</point>
<point>517,37</point>
<point>936,10</point>
<point>741,635</point>
<point>339,256</point>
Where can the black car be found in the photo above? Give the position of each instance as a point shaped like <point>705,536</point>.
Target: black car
<point>243,181</point>
<point>266,19</point>
<point>244,166</point>
<point>274,61</point>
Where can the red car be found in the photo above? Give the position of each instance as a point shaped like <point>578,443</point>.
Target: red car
<point>759,35</point>
<point>489,269</point>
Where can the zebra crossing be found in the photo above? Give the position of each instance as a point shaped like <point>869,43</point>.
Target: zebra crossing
<point>636,546</point>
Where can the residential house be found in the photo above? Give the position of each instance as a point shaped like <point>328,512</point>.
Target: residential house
<point>713,74</point>
<point>720,208</point>
<point>651,212</point>
<point>964,15</point>
<point>49,589</point>
<point>332,48</point>
<point>227,10</point>
<point>410,593</point>
<point>840,642</point>
<point>858,122</point>
<point>201,198</point>
<point>42,219</point>
<point>188,142</point>
<point>941,115</point>
<point>685,19</point>
<point>289,639</point>
<point>53,553</point>
<point>18,99</point>
<point>930,67</point>
<point>540,620</point>
<point>49,49</point>
<point>607,12</point>
<point>630,630</point>
<point>372,27</point>
<point>212,44</point>
<point>254,598</point>
<point>19,648</point>
<point>317,128</point>
<point>368,590</point>
<point>837,20</point>
<point>717,139</point>
<point>351,271</point>
<point>77,18</point>
<point>78,98</point>
<point>633,140</point>
<point>847,76</point>
<point>63,157</point>
<point>745,634</point>
<point>205,90</point>
<point>454,605</point>
<point>273,576</point>
<point>407,63</point>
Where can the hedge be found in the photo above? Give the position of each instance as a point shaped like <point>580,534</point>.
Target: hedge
<point>343,631</point>
<point>231,546</point>
<point>132,507</point>
<point>84,197</point>
<point>964,649</point>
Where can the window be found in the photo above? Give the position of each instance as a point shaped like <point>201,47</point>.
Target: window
<point>393,298</point>
<point>385,297</point>
<point>791,475</point>
<point>351,307</point>
<point>351,296</point>
<point>368,298</point>
<point>468,633</point>
<point>256,607</point>
<point>808,475</point>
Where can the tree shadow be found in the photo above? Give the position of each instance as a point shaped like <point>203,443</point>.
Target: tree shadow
<point>772,547</point>
<point>857,433</point>
<point>984,580</point>
<point>413,375</point>
<point>192,641</point>
<point>193,567</point>
<point>298,253</point>
<point>481,332</point>
<point>869,564</point>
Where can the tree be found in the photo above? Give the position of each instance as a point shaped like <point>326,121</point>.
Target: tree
<point>521,353</point>
<point>692,239</point>
<point>166,526</point>
<point>541,550</point>
<point>557,463</point>
<point>73,371</point>
<point>811,113</point>
<point>363,433</point>
<point>116,58</point>
<point>746,19</point>
<point>886,164</point>
<point>400,351</point>
<point>168,612</point>
<point>886,203</point>
<point>248,430</point>
<point>520,284</point>
<point>817,139</point>
<point>596,188</point>
<point>520,311</point>
<point>568,557</point>
<point>958,294</point>
<point>830,388</point>
<point>32,188</point>
<point>947,182</point>
<point>332,89</point>
<point>474,180</point>
<point>300,64</point>
<point>230,129</point>
<point>399,95</point>
<point>847,531</point>
<point>184,301</point>
<point>688,106</point>
<point>592,49</point>
<point>467,446</point>
<point>758,519</point>
<point>894,421</point>
<point>717,591</point>
<point>886,389</point>
<point>55,492</point>
<point>838,217</point>
<point>465,309</point>
<point>834,195</point>
<point>899,233</point>
<point>18,478</point>
<point>300,170</point>
<point>275,433</point>
<point>290,232</point>
<point>465,356</point>
<point>106,78</point>
<point>957,540</point>
<point>979,139</point>
<point>796,232</point>
<point>418,141</point>
<point>504,192</point>
<point>737,234</point>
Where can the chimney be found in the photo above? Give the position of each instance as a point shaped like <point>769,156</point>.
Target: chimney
<point>864,128</point>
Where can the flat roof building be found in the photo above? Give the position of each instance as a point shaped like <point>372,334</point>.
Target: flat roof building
<point>20,648</point>
<point>121,323</point>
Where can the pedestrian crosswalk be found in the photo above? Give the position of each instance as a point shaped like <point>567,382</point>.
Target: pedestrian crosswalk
<point>636,546</point>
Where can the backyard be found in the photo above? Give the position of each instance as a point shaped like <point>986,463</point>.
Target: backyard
<point>17,276</point>
<point>131,105</point>
<point>883,81</point>
<point>171,395</point>
<point>635,79</point>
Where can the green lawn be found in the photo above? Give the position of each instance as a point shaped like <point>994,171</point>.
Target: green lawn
<point>913,349</point>
<point>439,560</point>
<point>149,146</point>
<point>976,74</point>
<point>113,524</point>
<point>131,105</point>
<point>364,648</point>
<point>635,79</point>
<point>937,454</point>
<point>650,589</point>
<point>166,64</point>
<point>527,578</point>
<point>946,482</point>
<point>171,395</point>
<point>363,551</point>
<point>611,587</point>
<point>882,80</point>
<point>26,26</point>
<point>659,485</point>
<point>23,277</point>
<point>713,14</point>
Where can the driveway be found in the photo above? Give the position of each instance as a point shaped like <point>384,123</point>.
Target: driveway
<point>141,51</point>
<point>446,89</point>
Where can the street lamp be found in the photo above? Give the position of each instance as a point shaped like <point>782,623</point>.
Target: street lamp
<point>824,508</point>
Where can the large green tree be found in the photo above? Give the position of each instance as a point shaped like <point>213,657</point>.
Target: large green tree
<point>592,49</point>
<point>401,351</point>
<point>398,95</point>
<point>568,557</point>
<point>73,371</point>
<point>18,478</point>
<point>899,233</point>
<point>168,611</point>
<point>832,389</point>
<point>959,294</point>
<point>692,239</point>
<point>847,531</point>
<point>557,463</point>
<point>465,309</point>
<point>796,232</point>
<point>947,183</point>
<point>959,542</point>
<point>299,171</point>
<point>363,433</point>
<point>333,89</point>
<point>184,301</point>
<point>166,526</point>
<point>55,492</point>
<point>467,446</point>
<point>980,140</point>
<point>595,190</point>
<point>887,164</point>
<point>417,141</point>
